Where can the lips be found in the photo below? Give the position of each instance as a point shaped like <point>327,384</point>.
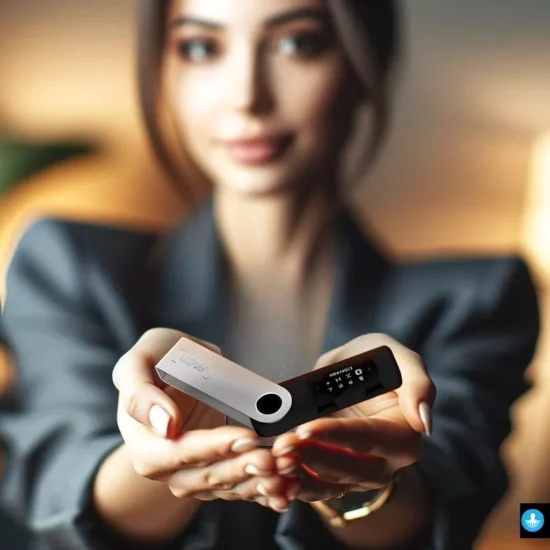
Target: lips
<point>257,150</point>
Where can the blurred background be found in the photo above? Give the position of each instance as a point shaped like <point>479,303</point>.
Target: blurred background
<point>466,169</point>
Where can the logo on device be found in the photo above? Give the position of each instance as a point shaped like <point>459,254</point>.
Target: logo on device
<point>184,358</point>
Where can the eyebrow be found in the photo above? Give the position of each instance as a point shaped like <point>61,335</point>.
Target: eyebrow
<point>272,22</point>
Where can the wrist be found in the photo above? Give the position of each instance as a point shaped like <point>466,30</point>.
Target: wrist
<point>136,507</point>
<point>409,501</point>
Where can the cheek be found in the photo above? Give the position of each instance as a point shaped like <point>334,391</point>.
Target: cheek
<point>319,104</point>
<point>195,104</point>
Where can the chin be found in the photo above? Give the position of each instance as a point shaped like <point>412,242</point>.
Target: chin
<point>262,182</point>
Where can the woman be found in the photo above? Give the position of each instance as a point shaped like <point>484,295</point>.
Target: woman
<point>258,100</point>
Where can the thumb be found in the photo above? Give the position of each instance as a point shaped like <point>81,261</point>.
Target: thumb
<point>416,394</point>
<point>142,393</point>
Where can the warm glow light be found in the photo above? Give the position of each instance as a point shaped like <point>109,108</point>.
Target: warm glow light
<point>537,211</point>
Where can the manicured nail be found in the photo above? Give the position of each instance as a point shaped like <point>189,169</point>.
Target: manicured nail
<point>254,471</point>
<point>159,420</point>
<point>285,451</point>
<point>244,444</point>
<point>288,470</point>
<point>303,432</point>
<point>262,490</point>
<point>426,416</point>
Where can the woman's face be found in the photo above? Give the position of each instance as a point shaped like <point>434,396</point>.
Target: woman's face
<point>260,90</point>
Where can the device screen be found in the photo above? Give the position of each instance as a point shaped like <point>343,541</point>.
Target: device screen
<point>342,378</point>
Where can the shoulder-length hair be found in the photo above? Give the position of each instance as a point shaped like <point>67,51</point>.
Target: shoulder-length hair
<point>367,29</point>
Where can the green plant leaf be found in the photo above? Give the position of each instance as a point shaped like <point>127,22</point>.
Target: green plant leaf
<point>19,160</point>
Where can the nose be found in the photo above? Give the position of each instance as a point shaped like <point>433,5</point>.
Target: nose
<point>248,90</point>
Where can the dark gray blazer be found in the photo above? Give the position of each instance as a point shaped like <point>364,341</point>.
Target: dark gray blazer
<point>80,295</point>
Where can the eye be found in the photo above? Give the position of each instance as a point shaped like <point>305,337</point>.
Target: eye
<point>197,50</point>
<point>306,45</point>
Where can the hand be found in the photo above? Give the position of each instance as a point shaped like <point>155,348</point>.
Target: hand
<point>361,447</point>
<point>178,440</point>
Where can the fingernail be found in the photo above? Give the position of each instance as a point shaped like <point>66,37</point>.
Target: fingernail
<point>303,432</point>
<point>159,420</point>
<point>288,470</point>
<point>285,451</point>
<point>262,490</point>
<point>426,416</point>
<point>244,444</point>
<point>254,471</point>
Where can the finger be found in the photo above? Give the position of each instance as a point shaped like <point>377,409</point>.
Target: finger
<point>225,473</point>
<point>158,459</point>
<point>285,444</point>
<point>235,476</point>
<point>417,386</point>
<point>275,504</point>
<point>312,488</point>
<point>288,465</point>
<point>278,503</point>
<point>274,491</point>
<point>275,486</point>
<point>215,444</point>
<point>385,436</point>
<point>135,377</point>
<point>336,466</point>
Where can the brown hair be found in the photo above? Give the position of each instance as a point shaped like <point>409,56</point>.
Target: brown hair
<point>368,30</point>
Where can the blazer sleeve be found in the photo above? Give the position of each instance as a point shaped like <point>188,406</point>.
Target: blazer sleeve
<point>65,422</point>
<point>476,356</point>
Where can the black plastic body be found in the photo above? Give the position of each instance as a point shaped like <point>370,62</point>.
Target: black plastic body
<point>335,387</point>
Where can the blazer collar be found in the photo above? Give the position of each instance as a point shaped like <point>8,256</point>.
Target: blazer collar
<point>193,294</point>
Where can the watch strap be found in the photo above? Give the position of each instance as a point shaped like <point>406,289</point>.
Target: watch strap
<point>338,517</point>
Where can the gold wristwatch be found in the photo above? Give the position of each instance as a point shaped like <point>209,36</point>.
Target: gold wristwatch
<point>339,512</point>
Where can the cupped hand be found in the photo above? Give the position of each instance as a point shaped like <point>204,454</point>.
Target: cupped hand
<point>361,448</point>
<point>176,439</point>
